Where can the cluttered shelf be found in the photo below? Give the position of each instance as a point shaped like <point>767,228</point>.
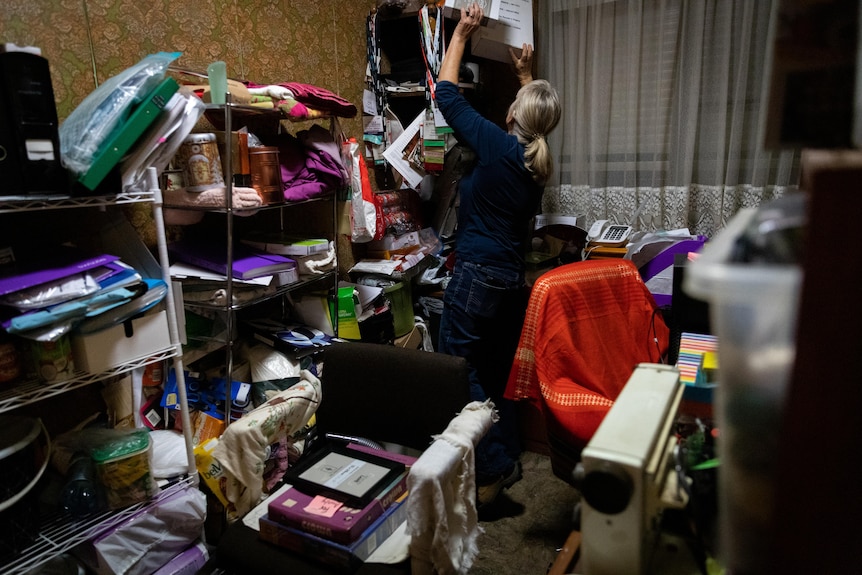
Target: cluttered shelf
<point>60,532</point>
<point>181,200</point>
<point>12,204</point>
<point>34,390</point>
<point>255,295</point>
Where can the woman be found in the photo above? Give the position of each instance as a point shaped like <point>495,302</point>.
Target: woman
<point>484,303</point>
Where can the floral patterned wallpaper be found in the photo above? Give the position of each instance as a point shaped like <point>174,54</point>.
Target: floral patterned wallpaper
<point>319,42</point>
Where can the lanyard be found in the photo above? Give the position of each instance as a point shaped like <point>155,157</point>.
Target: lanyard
<point>433,49</point>
<point>373,56</point>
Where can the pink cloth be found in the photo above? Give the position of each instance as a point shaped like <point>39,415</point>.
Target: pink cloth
<point>316,98</point>
<point>587,327</point>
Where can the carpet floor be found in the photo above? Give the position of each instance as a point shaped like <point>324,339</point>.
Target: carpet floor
<point>528,524</point>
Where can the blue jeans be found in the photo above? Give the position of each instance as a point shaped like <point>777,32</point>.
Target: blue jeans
<point>483,312</point>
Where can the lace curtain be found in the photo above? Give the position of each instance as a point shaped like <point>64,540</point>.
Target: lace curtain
<point>663,109</point>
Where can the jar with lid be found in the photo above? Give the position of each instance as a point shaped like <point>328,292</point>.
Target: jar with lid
<point>199,159</point>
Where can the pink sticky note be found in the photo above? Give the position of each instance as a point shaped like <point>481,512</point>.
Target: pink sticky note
<point>323,506</point>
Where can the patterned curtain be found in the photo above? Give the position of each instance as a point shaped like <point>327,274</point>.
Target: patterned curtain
<point>664,110</point>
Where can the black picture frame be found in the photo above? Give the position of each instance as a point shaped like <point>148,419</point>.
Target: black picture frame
<point>348,475</point>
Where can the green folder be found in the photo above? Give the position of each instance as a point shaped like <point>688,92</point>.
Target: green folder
<point>124,137</point>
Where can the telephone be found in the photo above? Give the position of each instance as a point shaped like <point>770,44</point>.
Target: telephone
<point>603,233</point>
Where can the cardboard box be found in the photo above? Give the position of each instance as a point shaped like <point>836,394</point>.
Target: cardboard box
<point>102,350</point>
<point>413,339</point>
<point>393,242</point>
<point>514,28</point>
<point>491,8</point>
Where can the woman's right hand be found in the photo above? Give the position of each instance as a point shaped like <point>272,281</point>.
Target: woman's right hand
<point>523,63</point>
<point>471,19</point>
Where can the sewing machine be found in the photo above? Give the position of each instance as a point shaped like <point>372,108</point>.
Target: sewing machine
<point>628,477</point>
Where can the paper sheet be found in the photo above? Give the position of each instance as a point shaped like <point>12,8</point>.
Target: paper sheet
<point>394,154</point>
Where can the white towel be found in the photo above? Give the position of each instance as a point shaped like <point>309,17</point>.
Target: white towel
<point>441,517</point>
<point>241,450</point>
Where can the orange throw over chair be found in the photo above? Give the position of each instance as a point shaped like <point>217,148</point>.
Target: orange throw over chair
<point>588,325</point>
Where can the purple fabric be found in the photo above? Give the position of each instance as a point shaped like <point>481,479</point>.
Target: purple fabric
<point>308,169</point>
<point>325,154</point>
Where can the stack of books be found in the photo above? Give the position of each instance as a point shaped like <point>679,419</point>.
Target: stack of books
<point>72,287</point>
<point>323,515</point>
<point>286,244</point>
<point>248,263</point>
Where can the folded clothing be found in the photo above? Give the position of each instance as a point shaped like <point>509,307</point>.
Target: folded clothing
<point>244,199</point>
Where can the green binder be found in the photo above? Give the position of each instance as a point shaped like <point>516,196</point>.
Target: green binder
<point>124,137</point>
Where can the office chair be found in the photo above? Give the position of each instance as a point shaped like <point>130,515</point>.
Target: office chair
<point>588,325</point>
<point>390,394</point>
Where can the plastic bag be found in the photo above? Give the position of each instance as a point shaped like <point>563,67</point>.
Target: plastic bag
<point>90,124</point>
<point>366,217</point>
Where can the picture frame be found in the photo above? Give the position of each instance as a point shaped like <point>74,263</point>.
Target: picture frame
<point>348,475</point>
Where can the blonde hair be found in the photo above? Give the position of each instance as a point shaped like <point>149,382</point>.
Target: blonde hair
<point>535,112</point>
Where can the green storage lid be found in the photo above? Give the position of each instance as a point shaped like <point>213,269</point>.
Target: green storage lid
<point>123,445</point>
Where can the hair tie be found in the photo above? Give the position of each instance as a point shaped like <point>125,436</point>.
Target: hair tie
<point>537,136</point>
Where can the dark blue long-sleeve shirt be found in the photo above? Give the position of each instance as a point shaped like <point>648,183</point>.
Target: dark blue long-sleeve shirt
<point>498,197</point>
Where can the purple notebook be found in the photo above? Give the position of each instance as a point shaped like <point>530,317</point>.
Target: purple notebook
<point>64,262</point>
<point>248,263</point>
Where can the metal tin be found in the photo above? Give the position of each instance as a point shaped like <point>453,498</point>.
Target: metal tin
<point>266,174</point>
<point>199,159</point>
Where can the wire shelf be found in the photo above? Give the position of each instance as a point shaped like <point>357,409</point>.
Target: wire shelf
<point>60,532</point>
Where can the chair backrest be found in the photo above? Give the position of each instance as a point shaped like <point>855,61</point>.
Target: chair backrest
<point>588,325</point>
<point>390,394</point>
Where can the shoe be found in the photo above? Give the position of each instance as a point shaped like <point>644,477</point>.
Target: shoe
<point>487,494</point>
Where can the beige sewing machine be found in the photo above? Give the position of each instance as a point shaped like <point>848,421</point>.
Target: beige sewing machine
<point>628,477</point>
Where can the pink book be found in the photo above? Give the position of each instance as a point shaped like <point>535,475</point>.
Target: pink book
<point>330,518</point>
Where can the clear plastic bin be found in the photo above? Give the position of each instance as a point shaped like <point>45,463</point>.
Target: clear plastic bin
<point>753,311</point>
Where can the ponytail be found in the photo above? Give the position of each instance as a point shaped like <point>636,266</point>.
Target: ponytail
<point>535,112</point>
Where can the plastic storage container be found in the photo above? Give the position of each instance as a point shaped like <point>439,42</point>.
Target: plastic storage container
<point>401,302</point>
<point>123,468</point>
<point>753,310</point>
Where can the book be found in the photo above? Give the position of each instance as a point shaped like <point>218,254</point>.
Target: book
<point>329,517</point>
<point>63,262</point>
<point>121,140</point>
<point>247,262</point>
<point>286,244</point>
<point>347,557</point>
